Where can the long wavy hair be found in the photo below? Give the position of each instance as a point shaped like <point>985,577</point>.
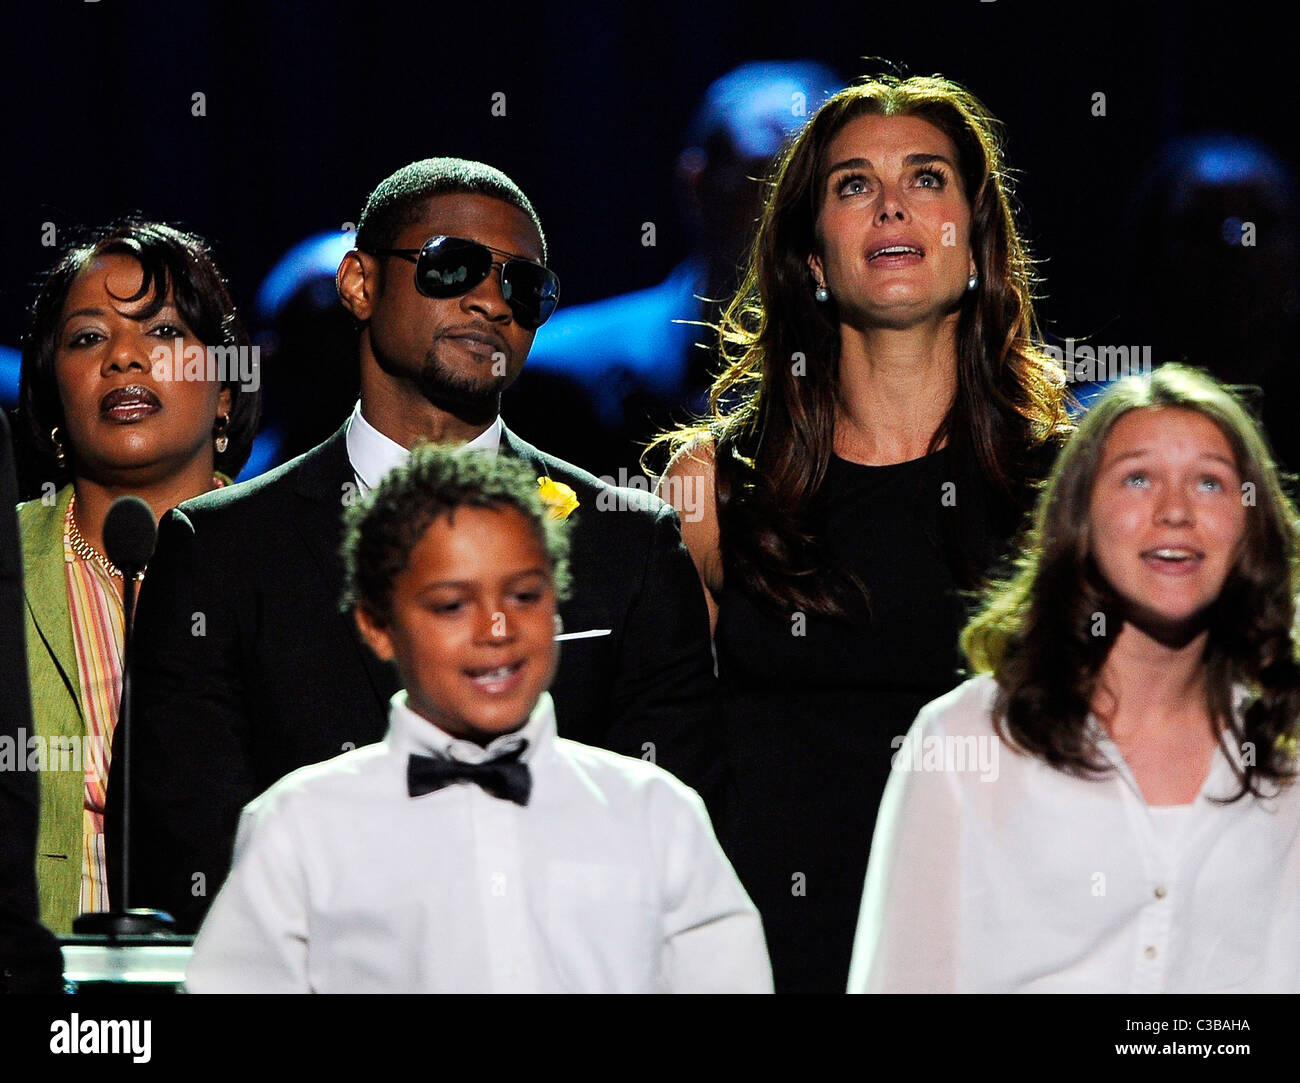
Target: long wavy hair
<point>772,427</point>
<point>1039,633</point>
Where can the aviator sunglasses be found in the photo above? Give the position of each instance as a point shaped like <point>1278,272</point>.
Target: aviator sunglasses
<point>452,266</point>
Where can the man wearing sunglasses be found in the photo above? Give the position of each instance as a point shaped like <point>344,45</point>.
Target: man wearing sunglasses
<point>245,667</point>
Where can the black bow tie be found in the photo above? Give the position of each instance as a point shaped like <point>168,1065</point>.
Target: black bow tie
<point>503,777</point>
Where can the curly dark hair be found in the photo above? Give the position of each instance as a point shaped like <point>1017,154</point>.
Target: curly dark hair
<point>772,430</point>
<point>176,264</point>
<point>381,531</point>
<point>1035,631</point>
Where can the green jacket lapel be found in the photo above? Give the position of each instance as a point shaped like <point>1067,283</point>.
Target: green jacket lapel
<point>46,589</point>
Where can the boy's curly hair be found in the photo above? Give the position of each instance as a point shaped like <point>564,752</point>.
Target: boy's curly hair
<point>381,531</point>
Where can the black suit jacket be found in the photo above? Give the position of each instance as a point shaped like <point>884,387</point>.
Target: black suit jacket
<point>246,669</point>
<point>29,956</point>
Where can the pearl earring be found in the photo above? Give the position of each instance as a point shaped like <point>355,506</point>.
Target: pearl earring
<point>973,282</point>
<point>822,294</point>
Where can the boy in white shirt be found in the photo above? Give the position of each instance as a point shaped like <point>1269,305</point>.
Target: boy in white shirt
<point>472,850</point>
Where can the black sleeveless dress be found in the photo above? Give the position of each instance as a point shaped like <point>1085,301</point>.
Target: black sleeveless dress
<point>814,707</point>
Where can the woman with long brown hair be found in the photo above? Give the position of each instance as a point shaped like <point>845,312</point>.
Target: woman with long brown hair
<point>875,437</point>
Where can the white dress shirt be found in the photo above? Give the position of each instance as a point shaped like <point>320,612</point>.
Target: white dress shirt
<point>1011,876</point>
<point>372,454</point>
<point>610,879</point>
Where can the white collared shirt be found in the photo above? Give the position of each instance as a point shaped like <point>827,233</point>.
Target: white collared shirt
<point>993,872</point>
<point>610,879</point>
<point>372,454</point>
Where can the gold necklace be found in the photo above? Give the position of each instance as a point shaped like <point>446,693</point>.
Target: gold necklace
<point>77,542</point>
<point>82,548</point>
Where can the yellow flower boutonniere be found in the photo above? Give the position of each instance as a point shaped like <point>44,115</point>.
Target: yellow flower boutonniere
<point>559,499</point>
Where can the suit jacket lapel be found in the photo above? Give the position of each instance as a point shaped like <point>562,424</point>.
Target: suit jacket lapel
<point>325,484</point>
<point>516,448</point>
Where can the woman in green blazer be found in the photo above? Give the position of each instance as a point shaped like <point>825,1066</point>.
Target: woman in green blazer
<point>121,393</point>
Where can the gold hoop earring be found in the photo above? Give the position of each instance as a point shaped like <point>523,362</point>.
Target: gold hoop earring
<point>222,441</point>
<point>60,456</point>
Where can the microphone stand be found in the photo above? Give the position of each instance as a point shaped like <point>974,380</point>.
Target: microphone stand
<point>125,922</point>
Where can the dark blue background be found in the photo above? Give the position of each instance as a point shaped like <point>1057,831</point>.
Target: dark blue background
<point>310,104</point>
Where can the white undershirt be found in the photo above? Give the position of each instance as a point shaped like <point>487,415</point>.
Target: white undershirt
<point>372,454</point>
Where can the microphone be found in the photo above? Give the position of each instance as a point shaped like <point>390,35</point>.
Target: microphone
<point>129,537</point>
<point>130,534</point>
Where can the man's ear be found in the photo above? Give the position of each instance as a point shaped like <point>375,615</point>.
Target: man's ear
<point>374,633</point>
<point>357,281</point>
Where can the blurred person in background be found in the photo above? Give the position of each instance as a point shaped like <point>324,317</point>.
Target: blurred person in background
<point>307,340</point>
<point>604,377</point>
<point>1214,273</point>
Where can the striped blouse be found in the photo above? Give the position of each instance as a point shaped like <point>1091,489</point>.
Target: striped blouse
<point>95,606</point>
